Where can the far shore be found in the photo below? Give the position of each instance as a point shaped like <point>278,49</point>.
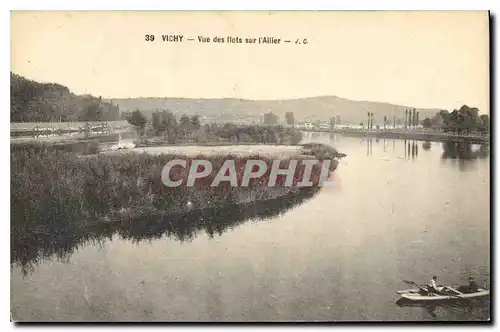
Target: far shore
<point>418,135</point>
<point>25,130</point>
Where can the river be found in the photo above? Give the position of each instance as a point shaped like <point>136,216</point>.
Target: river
<point>399,210</point>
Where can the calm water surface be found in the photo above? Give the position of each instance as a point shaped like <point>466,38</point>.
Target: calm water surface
<point>398,210</point>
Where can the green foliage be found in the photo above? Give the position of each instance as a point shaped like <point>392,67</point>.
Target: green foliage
<point>32,101</point>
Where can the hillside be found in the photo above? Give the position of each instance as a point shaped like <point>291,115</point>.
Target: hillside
<point>305,109</point>
<point>32,101</point>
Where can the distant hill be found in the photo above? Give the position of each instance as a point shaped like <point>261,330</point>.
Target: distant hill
<point>305,109</point>
<point>32,101</point>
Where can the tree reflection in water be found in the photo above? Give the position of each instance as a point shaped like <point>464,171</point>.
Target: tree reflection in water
<point>464,150</point>
<point>33,244</point>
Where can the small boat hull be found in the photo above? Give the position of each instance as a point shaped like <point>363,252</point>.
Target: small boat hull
<point>414,295</point>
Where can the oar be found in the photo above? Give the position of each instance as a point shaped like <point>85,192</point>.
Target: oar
<point>409,282</point>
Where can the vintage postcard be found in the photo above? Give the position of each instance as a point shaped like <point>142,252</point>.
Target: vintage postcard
<point>315,166</point>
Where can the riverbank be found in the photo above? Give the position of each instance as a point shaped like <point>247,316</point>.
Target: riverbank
<point>55,184</point>
<point>60,128</point>
<point>405,134</point>
<point>73,189</point>
<point>160,142</point>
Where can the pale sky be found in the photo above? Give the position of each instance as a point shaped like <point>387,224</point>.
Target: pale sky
<point>420,59</point>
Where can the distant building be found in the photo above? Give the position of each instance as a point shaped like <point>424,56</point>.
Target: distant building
<point>270,118</point>
<point>289,118</point>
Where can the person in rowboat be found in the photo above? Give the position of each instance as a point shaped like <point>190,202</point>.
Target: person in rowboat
<point>472,285</point>
<point>432,287</point>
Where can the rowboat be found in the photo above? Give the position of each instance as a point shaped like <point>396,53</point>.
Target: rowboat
<point>446,293</point>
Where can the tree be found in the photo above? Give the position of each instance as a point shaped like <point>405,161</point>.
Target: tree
<point>184,125</point>
<point>332,123</point>
<point>468,118</point>
<point>289,118</point>
<point>169,119</point>
<point>157,122</point>
<point>370,120</point>
<point>406,119</point>
<point>47,102</point>
<point>385,121</point>
<point>169,125</point>
<point>440,119</point>
<point>464,120</point>
<point>136,119</point>
<point>484,127</point>
<point>427,123</point>
<point>185,121</point>
<point>195,121</point>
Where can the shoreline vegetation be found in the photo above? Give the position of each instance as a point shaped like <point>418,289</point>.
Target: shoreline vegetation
<point>464,124</point>
<point>39,109</point>
<point>72,186</point>
<point>420,135</point>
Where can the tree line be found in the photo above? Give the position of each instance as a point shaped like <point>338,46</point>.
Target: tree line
<point>32,101</point>
<point>465,120</point>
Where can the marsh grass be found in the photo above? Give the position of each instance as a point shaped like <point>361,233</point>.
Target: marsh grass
<point>63,195</point>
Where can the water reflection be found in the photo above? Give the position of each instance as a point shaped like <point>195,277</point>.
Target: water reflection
<point>451,149</point>
<point>464,155</point>
<point>472,309</point>
<point>33,244</point>
<point>464,150</point>
<point>335,137</point>
<point>411,149</point>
